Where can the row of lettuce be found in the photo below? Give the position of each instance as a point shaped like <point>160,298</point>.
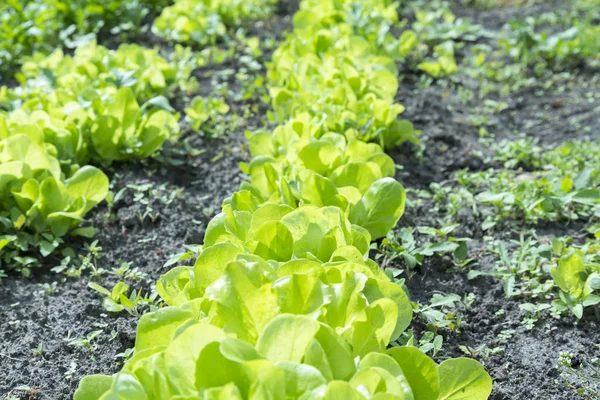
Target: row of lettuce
<point>31,26</point>
<point>204,22</point>
<point>283,300</point>
<point>40,26</point>
<point>94,107</point>
<point>70,112</point>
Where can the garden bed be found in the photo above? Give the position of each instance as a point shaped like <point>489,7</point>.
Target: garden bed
<point>168,200</point>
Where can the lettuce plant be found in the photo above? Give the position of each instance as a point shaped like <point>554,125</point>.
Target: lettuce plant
<point>59,131</point>
<point>337,64</point>
<point>68,112</point>
<point>35,192</point>
<point>269,274</point>
<point>201,110</point>
<point>300,164</point>
<point>123,130</point>
<point>24,28</point>
<point>249,292</point>
<point>577,275</point>
<point>367,20</point>
<point>444,65</point>
<point>61,79</point>
<point>294,357</point>
<point>87,104</point>
<point>110,129</point>
<point>203,22</point>
<point>527,43</point>
<point>42,25</point>
<point>276,233</point>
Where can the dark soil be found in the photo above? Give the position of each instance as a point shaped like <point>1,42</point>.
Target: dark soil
<point>35,312</point>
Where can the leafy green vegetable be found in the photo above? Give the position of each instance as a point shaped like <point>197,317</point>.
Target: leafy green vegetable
<point>344,70</point>
<point>33,185</point>
<point>291,166</point>
<point>88,104</point>
<point>36,194</point>
<point>202,22</point>
<point>42,25</point>
<point>564,271</point>
<point>577,275</point>
<point>70,111</point>
<point>122,130</point>
<point>445,63</point>
<point>202,109</point>
<point>430,45</point>
<point>463,378</point>
<point>62,78</point>
<point>294,357</point>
